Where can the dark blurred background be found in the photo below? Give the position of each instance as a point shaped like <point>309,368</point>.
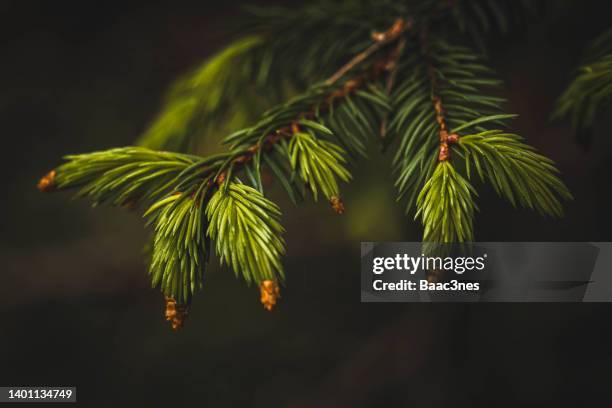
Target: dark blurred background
<point>75,303</point>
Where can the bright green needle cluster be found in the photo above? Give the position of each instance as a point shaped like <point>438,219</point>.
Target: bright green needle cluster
<point>122,176</point>
<point>515,170</point>
<point>319,162</point>
<point>180,246</point>
<point>247,232</point>
<point>446,206</point>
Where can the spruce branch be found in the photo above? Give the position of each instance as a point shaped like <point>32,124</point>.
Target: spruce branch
<point>380,40</point>
<point>123,176</point>
<point>439,100</point>
<point>397,85</point>
<point>590,91</point>
<point>175,187</point>
<point>271,43</point>
<point>196,103</point>
<point>389,83</point>
<point>277,42</point>
<point>338,108</point>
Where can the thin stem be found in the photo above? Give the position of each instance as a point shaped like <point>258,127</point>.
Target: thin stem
<point>387,63</point>
<point>381,39</point>
<point>394,62</point>
<point>445,138</point>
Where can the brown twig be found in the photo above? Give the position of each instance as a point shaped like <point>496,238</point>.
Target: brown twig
<point>386,64</point>
<point>393,64</point>
<point>446,139</point>
<point>381,39</point>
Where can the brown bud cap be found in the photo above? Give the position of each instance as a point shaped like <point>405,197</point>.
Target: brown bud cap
<point>377,36</point>
<point>337,204</point>
<point>391,33</point>
<point>452,138</point>
<point>444,152</point>
<point>295,128</point>
<point>176,313</point>
<point>47,183</point>
<point>396,28</point>
<point>220,178</point>
<point>270,292</point>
